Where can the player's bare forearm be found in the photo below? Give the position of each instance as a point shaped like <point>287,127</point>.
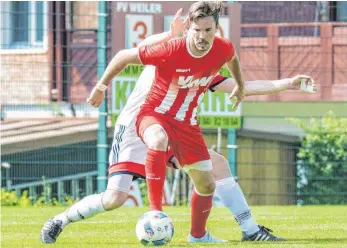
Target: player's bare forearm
<point>234,67</point>
<point>257,87</point>
<point>156,39</point>
<point>238,92</point>
<point>118,63</point>
<point>265,87</point>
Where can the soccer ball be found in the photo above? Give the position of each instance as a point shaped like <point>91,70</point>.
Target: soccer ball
<point>154,228</point>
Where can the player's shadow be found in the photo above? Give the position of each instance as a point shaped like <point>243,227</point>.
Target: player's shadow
<point>199,245</point>
<point>296,241</point>
<point>321,240</point>
<point>232,242</point>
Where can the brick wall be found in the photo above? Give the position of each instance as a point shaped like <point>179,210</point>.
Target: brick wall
<point>85,15</point>
<point>25,76</point>
<point>278,11</point>
<point>25,79</point>
<point>276,56</point>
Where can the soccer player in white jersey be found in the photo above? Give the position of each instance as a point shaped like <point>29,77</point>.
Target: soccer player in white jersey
<point>128,153</point>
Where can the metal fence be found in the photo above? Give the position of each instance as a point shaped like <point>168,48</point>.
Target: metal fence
<point>49,65</point>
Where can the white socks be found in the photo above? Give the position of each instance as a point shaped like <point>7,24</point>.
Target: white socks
<point>230,193</point>
<point>83,209</point>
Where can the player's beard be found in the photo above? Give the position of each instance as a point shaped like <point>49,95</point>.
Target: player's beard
<point>195,47</point>
<point>201,45</point>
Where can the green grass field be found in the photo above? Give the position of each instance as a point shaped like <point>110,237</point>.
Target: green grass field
<point>316,226</point>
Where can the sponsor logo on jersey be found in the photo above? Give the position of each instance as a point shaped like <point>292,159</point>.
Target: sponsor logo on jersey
<point>188,82</point>
<point>182,70</point>
<point>153,178</point>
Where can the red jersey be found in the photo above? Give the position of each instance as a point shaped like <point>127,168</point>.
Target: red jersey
<point>181,78</point>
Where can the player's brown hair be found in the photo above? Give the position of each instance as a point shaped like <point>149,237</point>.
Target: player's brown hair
<point>203,9</point>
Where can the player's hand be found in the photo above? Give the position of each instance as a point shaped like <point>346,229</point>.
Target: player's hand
<point>303,83</point>
<point>239,94</point>
<point>96,97</point>
<point>177,27</point>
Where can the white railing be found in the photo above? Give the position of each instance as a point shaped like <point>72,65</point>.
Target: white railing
<point>75,191</point>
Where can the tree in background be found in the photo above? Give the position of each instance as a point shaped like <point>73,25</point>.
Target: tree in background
<point>322,161</point>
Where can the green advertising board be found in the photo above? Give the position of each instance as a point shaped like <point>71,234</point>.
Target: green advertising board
<point>215,110</point>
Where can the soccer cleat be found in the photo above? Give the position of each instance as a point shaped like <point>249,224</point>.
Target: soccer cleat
<point>205,239</point>
<point>262,235</point>
<point>50,231</point>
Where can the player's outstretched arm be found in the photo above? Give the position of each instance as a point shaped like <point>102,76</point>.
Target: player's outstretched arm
<point>265,87</point>
<point>117,64</point>
<point>234,67</point>
<point>177,27</point>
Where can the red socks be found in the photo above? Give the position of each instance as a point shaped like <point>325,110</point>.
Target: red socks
<point>155,177</point>
<point>155,173</point>
<point>200,210</point>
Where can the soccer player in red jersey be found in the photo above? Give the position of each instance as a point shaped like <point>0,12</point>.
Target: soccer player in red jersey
<point>185,67</point>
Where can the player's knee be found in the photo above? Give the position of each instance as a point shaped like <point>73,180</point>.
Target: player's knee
<point>113,199</point>
<point>156,138</point>
<point>206,188</point>
<point>221,168</point>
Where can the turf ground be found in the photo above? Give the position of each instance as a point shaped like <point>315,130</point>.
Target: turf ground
<point>311,226</point>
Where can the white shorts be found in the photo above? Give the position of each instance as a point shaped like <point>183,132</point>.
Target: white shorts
<point>127,146</point>
<point>120,183</point>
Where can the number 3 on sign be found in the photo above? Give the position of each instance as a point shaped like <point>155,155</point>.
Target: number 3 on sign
<point>142,33</point>
<point>138,27</point>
